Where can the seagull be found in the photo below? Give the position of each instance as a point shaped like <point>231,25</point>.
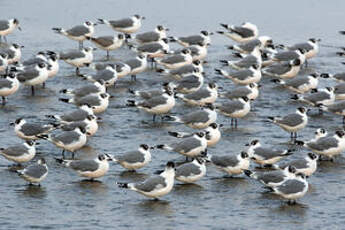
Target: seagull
<point>157,105</point>
<point>20,153</point>
<point>108,43</point>
<point>311,47</point>
<point>328,146</point>
<point>192,146</point>
<point>35,173</point>
<point>89,168</point>
<point>78,58</point>
<point>124,25</point>
<point>251,91</point>
<point>7,27</point>
<point>190,83</point>
<point>153,49</point>
<point>237,108</point>
<point>292,189</point>
<point>29,131</point>
<point>108,75</point>
<point>33,75</point>
<point>89,124</point>
<point>192,171</point>
<point>53,61</point>
<point>67,140</point>
<point>203,37</point>
<point>177,60</point>
<point>183,71</point>
<point>78,33</point>
<point>212,132</point>
<point>307,165</point>
<point>283,70</point>
<point>273,178</point>
<point>202,96</point>
<point>243,33</point>
<point>122,69</point>
<point>134,160</point>
<point>13,51</point>
<point>94,88</point>
<point>301,84</point>
<point>290,55</point>
<point>199,119</point>
<point>249,46</point>
<point>99,102</point>
<point>137,65</point>
<point>324,96</point>
<point>231,164</point>
<point>292,122</point>
<point>320,132</point>
<point>151,93</point>
<point>155,186</point>
<point>336,108</point>
<point>254,58</point>
<point>265,156</point>
<point>243,77</point>
<point>152,36</point>
<point>77,115</point>
<point>8,86</point>
<point>198,51</point>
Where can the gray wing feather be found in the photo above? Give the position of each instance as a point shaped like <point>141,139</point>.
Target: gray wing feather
<point>200,94</point>
<point>244,32</point>
<point>339,89</point>
<point>291,120</point>
<point>267,153</point>
<point>231,107</point>
<point>67,137</point>
<point>238,92</point>
<point>78,31</point>
<point>4,83</point>
<point>92,100</point>
<point>182,70</point>
<point>286,55</point>
<point>84,165</point>
<point>35,170</point>
<point>153,102</point>
<point>33,129</point>
<point>273,176</point>
<point>77,115</point>
<point>122,23</point>
<point>15,150</point>
<point>224,161</point>
<point>278,69</point>
<point>187,169</point>
<point>192,40</point>
<point>291,186</point>
<point>148,37</point>
<point>242,74</point>
<point>150,184</point>
<point>195,117</point>
<point>339,76</point>
<point>131,157</point>
<point>173,59</point>
<point>317,97</point>
<point>104,41</point>
<point>73,54</point>
<point>133,63</point>
<point>323,143</point>
<point>150,47</point>
<point>4,25</point>
<point>306,46</point>
<point>186,145</point>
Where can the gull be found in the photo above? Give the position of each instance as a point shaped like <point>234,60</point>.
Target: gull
<point>292,122</point>
<point>35,173</point>
<point>89,168</point>
<point>78,33</point>
<point>20,153</point>
<point>243,33</point>
<point>155,186</point>
<point>231,164</point>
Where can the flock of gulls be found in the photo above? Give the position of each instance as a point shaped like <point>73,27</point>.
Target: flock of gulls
<point>253,57</point>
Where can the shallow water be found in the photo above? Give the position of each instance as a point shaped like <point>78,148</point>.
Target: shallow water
<point>65,201</point>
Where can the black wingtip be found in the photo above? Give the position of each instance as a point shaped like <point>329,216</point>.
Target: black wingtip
<point>294,97</point>
<point>247,172</point>
<point>270,118</point>
<point>64,100</point>
<point>63,91</point>
<point>159,146</point>
<point>174,134</point>
<point>58,160</point>
<point>342,32</point>
<point>224,25</point>
<point>130,103</point>
<point>122,185</point>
